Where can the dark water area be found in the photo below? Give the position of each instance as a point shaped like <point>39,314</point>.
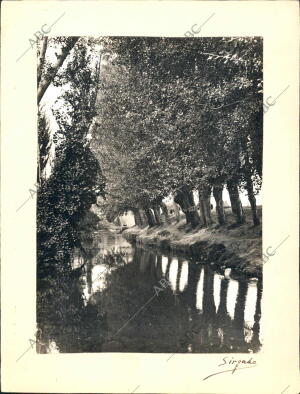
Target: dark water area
<point>130,299</point>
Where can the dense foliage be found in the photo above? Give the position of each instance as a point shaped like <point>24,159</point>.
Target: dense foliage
<point>177,115</point>
<point>173,116</point>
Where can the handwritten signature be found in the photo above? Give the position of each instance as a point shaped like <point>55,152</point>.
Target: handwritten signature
<point>236,365</point>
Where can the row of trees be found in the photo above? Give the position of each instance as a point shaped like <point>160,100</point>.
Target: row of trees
<point>179,115</point>
<point>140,119</point>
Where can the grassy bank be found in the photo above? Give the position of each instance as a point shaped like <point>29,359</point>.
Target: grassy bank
<point>230,246</point>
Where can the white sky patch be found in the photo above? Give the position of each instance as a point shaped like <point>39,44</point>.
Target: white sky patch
<point>250,306</point>
<point>173,273</point>
<point>217,289</point>
<point>232,292</point>
<point>243,196</point>
<point>199,291</point>
<point>98,279</point>
<point>184,276</point>
<point>164,263</point>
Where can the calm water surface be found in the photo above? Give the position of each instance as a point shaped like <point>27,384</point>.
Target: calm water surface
<point>136,300</point>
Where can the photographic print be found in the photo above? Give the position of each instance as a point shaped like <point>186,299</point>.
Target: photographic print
<point>149,149</point>
<point>149,194</point>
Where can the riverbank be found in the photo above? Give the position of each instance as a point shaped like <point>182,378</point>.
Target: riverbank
<point>238,248</point>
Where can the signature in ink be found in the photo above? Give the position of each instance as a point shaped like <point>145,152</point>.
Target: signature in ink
<point>235,365</point>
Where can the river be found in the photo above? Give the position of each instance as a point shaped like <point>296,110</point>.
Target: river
<point>136,300</point>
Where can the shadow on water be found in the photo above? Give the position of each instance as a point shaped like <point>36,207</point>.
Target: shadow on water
<point>129,299</point>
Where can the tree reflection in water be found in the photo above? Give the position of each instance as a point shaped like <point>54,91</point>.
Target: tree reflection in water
<point>93,314</point>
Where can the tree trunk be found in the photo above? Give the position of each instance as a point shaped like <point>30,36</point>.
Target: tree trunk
<point>145,261</point>
<point>222,309</point>
<point>181,200</point>
<point>191,288</point>
<point>194,215</point>
<point>233,202</point>
<point>168,268</point>
<point>204,203</point>
<point>159,267</point>
<point>165,212</point>
<point>186,201</point>
<point>239,313</point>
<point>157,216</point>
<point>177,212</point>
<point>137,217</point>
<point>144,220</point>
<point>178,275</point>
<point>45,82</point>
<point>150,217</point>
<point>218,196</point>
<point>252,200</point>
<point>41,59</point>
<point>202,212</point>
<point>236,205</point>
<point>209,307</point>
<point>255,341</point>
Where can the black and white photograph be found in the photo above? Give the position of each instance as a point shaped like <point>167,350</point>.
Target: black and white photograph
<point>149,194</point>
